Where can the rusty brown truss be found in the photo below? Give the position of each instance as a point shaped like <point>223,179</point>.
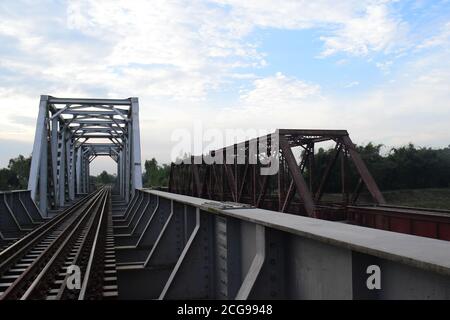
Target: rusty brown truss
<point>299,185</point>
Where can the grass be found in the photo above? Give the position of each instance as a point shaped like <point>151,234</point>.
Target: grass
<point>422,198</point>
<point>425,198</point>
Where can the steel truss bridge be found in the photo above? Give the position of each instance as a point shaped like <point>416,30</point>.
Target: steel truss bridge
<point>220,231</point>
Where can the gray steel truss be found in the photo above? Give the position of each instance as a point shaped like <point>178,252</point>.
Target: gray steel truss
<point>70,134</point>
<point>171,246</point>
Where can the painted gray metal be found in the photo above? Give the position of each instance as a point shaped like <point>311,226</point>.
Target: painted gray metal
<point>123,102</point>
<point>72,133</point>
<point>39,141</point>
<point>18,215</point>
<point>186,248</point>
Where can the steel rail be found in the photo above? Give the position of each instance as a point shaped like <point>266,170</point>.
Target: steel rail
<point>35,258</point>
<point>55,237</point>
<point>93,254</point>
<point>43,281</point>
<point>83,254</point>
<point>28,239</point>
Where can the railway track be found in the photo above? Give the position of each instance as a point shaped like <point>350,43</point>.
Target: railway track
<point>75,247</point>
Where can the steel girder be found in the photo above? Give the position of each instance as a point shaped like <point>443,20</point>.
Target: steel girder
<point>171,246</point>
<point>70,133</point>
<point>302,186</point>
<point>297,187</point>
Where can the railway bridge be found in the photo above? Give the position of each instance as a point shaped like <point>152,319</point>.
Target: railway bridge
<point>221,230</point>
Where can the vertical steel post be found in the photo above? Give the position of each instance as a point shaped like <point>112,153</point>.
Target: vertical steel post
<point>88,175</point>
<point>62,169</point>
<point>120,173</point>
<point>71,167</point>
<point>37,146</point>
<point>54,155</point>
<point>136,146</point>
<point>82,171</point>
<point>127,168</point>
<point>78,169</point>
<point>43,183</point>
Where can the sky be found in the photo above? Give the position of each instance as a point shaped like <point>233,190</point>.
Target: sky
<point>378,68</point>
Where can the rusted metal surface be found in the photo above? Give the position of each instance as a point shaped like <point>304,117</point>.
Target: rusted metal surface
<point>297,187</point>
<point>420,222</point>
<point>300,186</point>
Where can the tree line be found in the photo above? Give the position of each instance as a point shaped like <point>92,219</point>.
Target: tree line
<point>406,167</point>
<point>155,175</point>
<point>15,175</point>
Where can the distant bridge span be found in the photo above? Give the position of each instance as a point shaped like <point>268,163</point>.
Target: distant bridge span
<point>70,133</point>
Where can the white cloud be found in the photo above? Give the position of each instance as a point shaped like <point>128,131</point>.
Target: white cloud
<point>385,66</point>
<point>278,89</point>
<point>440,39</point>
<point>188,36</point>
<point>415,107</point>
<point>351,84</point>
<point>15,105</point>
<point>374,30</point>
<point>290,14</point>
<point>174,54</point>
<point>179,49</point>
<point>353,27</point>
<point>277,101</point>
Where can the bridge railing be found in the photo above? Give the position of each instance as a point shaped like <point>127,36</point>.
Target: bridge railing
<point>18,215</point>
<point>185,247</point>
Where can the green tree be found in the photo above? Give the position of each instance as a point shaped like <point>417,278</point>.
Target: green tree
<point>155,175</point>
<point>20,167</point>
<point>411,167</point>
<point>406,167</point>
<point>105,178</point>
<point>8,180</point>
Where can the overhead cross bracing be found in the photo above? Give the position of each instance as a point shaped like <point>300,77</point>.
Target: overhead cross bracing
<point>70,134</point>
